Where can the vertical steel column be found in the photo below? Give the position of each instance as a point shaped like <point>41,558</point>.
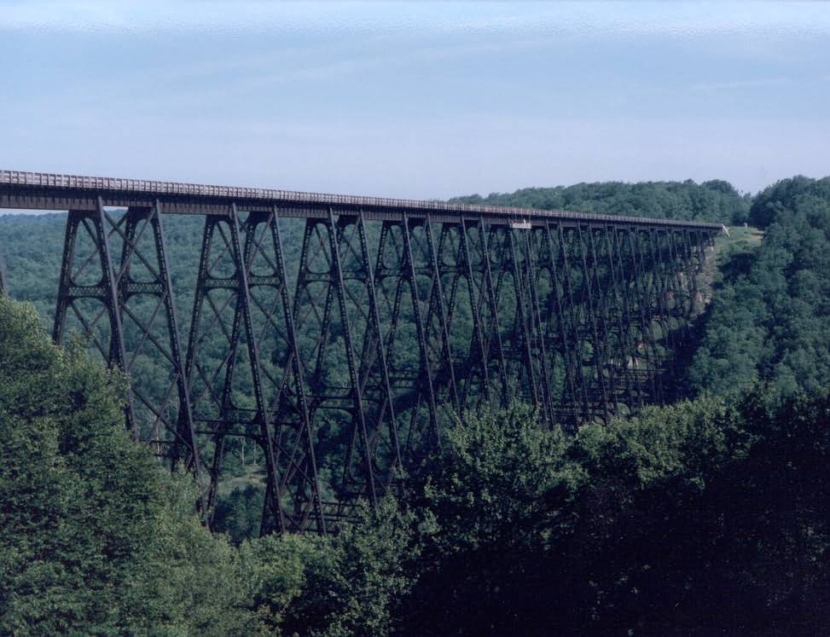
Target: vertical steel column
<point>647,302</point>
<point>425,374</point>
<point>680,286</point>
<point>387,403</point>
<point>478,348</point>
<point>663,275</point>
<point>692,271</point>
<point>292,433</point>
<point>619,293</point>
<point>184,438</point>
<point>576,367</point>
<point>304,278</point>
<point>675,281</point>
<point>599,354</point>
<point>492,302</point>
<point>272,518</point>
<point>186,427</point>
<point>538,329</point>
<point>408,386</point>
<point>66,279</point>
<point>697,252</point>
<point>625,280</point>
<point>235,284</point>
<point>657,288</point>
<point>526,328</point>
<point>206,281</point>
<point>562,337</point>
<point>438,308</point>
<point>604,319</point>
<point>105,291</point>
<point>357,391</point>
<point>306,423</point>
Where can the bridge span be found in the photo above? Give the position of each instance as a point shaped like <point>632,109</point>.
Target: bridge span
<point>345,363</point>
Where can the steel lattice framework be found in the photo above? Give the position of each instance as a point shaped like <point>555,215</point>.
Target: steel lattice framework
<point>578,314</point>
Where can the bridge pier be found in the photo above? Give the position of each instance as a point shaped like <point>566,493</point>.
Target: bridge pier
<point>132,297</point>
<point>576,319</point>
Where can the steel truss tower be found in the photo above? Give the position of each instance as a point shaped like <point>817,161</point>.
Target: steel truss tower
<point>344,365</point>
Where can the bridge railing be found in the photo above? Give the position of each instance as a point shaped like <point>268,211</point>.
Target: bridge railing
<point>118,189</point>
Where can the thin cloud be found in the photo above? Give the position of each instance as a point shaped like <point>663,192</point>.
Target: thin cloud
<point>585,19</point>
<point>742,84</point>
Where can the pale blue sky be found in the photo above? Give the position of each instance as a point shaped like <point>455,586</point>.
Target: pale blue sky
<point>416,99</point>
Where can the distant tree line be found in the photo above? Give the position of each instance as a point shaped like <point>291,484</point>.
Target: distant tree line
<point>714,200</point>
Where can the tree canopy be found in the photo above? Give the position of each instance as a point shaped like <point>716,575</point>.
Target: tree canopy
<point>713,200</point>
<point>768,321</point>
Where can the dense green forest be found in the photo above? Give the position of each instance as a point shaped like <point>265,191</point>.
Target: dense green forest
<point>705,517</point>
<point>710,201</point>
<point>769,319</point>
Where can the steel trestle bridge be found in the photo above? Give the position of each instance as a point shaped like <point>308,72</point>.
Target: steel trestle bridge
<point>345,365</point>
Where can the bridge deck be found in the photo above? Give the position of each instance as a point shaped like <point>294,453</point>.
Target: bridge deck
<point>46,191</point>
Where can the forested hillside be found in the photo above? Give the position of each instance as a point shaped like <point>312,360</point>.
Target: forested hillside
<point>769,321</point>
<point>710,201</point>
<point>697,519</point>
<point>707,517</point>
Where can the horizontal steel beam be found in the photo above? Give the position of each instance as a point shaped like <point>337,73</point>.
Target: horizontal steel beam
<point>46,191</point>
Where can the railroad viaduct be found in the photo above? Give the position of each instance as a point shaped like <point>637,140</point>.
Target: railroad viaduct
<point>345,365</point>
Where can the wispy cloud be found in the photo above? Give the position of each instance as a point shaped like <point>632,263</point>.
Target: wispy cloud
<point>436,157</point>
<point>442,17</point>
<point>415,98</point>
<point>743,84</point>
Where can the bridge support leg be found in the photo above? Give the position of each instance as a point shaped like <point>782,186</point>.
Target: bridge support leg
<point>561,332</point>
<point>281,374</point>
<point>624,275</point>
<point>525,340</point>
<point>426,380</point>
<point>539,342</point>
<point>138,300</point>
<point>435,377</point>
<point>338,301</point>
<point>222,289</point>
<point>93,278</point>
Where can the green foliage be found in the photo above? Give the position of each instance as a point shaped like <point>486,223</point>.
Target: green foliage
<point>779,201</point>
<point>710,201</point>
<point>496,499</point>
<point>695,519</point>
<point>347,584</point>
<point>94,536</point>
<point>488,487</point>
<point>239,513</point>
<point>768,322</point>
<point>684,441</point>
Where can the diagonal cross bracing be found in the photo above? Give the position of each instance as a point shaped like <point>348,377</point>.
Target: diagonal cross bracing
<point>339,365</point>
